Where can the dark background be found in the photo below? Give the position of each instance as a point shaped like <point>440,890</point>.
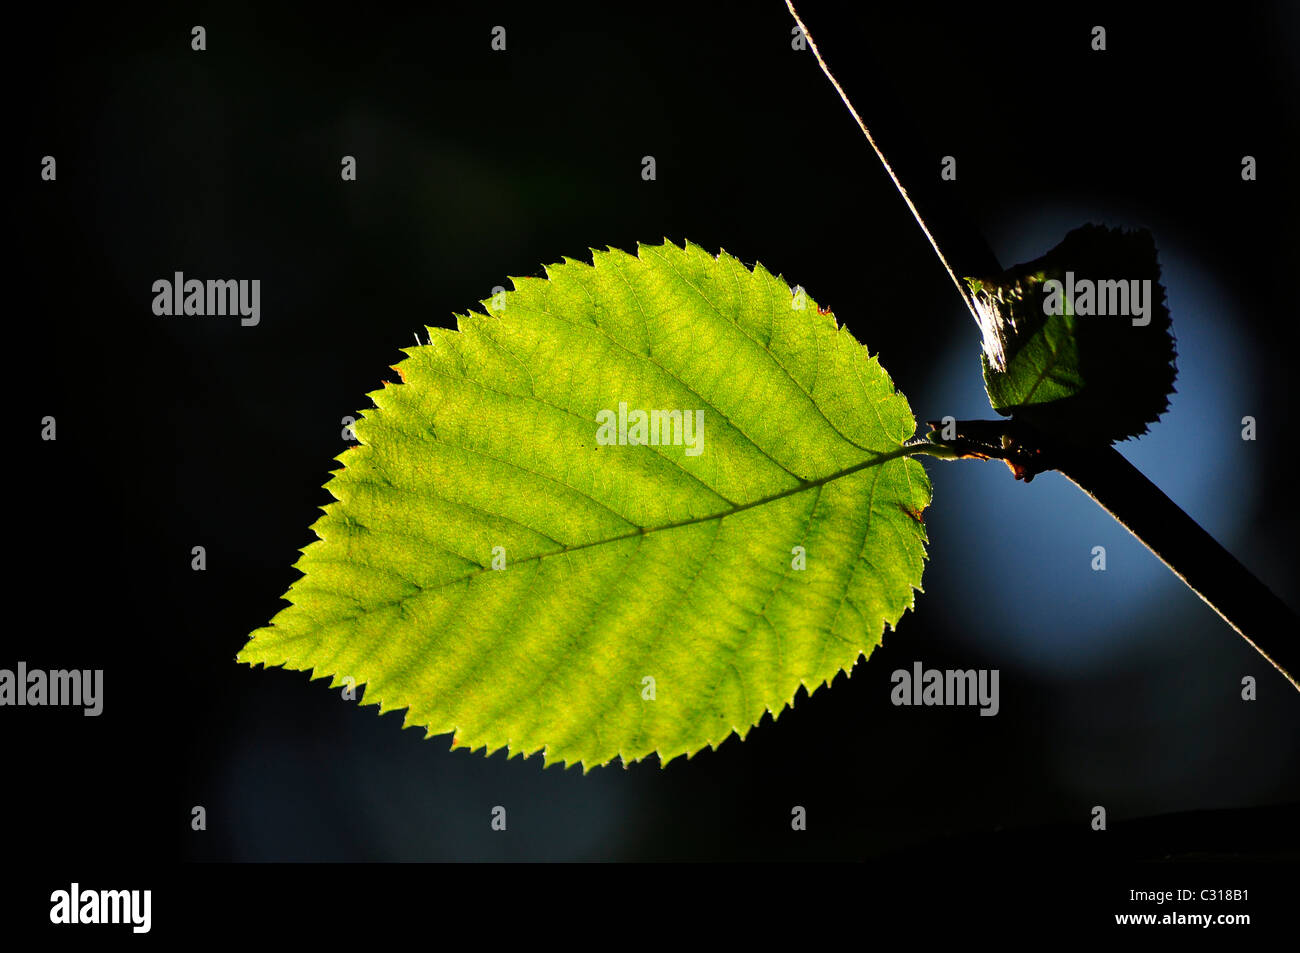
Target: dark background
<point>1118,689</point>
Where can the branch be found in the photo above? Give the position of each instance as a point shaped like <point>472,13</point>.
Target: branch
<point>1141,507</point>
<point>1192,554</point>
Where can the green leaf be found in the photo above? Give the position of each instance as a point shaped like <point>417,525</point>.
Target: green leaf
<point>622,562</point>
<point>1076,371</point>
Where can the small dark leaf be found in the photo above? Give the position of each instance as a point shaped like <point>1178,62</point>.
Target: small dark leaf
<point>1078,342</point>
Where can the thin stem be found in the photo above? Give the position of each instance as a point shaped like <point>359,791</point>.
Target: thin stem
<point>898,182</point>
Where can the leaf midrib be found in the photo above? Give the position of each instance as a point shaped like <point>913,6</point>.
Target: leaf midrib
<point>642,531</point>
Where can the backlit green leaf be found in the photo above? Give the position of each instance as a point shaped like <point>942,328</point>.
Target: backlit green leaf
<point>498,571</point>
